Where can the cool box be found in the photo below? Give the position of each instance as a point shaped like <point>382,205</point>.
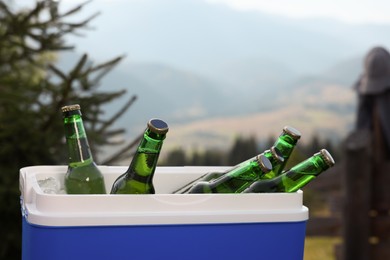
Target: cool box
<point>159,226</point>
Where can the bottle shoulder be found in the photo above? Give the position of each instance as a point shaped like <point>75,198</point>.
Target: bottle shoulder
<point>86,170</point>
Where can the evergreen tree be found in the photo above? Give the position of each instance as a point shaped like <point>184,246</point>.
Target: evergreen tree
<point>213,157</point>
<point>268,143</point>
<point>33,90</point>
<point>334,149</point>
<point>313,146</point>
<point>242,149</point>
<point>298,155</point>
<point>176,157</point>
<point>196,158</point>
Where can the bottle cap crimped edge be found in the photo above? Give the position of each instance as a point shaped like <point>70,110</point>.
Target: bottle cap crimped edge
<point>327,157</point>
<point>293,132</point>
<point>70,108</point>
<point>158,126</point>
<point>276,154</point>
<point>264,163</point>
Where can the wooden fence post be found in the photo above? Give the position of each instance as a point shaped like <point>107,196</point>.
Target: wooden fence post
<point>357,200</point>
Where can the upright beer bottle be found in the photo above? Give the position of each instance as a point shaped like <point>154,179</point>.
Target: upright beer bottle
<point>138,179</point>
<point>297,177</point>
<point>237,179</point>
<point>83,176</point>
<point>285,143</point>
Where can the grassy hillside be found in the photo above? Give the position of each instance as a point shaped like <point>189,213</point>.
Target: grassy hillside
<point>220,132</point>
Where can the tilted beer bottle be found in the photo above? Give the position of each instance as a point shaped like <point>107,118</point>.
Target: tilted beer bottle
<point>205,177</point>
<point>83,176</point>
<point>138,179</point>
<point>237,179</point>
<point>297,177</point>
<point>273,154</point>
<point>285,143</point>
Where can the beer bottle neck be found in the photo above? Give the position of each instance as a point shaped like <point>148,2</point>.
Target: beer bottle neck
<point>297,177</point>
<point>78,148</point>
<point>304,172</point>
<point>285,144</point>
<point>145,159</point>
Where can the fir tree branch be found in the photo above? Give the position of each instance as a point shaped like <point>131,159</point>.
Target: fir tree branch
<point>120,154</point>
<point>58,72</point>
<point>76,71</point>
<point>118,114</point>
<point>104,68</point>
<point>74,10</point>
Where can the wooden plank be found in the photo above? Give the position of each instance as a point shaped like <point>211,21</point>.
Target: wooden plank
<point>380,226</point>
<point>323,226</point>
<point>338,251</point>
<point>381,189</point>
<point>381,250</point>
<point>357,183</point>
<point>378,251</point>
<point>336,203</point>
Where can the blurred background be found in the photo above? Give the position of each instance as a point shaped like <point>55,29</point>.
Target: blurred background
<point>218,69</point>
<point>227,75</point>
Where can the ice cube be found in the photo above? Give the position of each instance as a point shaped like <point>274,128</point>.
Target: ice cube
<point>50,185</point>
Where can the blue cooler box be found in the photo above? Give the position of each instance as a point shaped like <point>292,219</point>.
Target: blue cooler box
<point>160,226</point>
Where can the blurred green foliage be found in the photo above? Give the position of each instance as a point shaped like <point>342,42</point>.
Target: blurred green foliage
<point>32,91</point>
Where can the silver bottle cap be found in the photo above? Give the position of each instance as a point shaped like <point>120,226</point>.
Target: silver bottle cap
<point>70,108</point>
<point>264,163</point>
<point>327,157</point>
<point>158,126</point>
<point>291,131</point>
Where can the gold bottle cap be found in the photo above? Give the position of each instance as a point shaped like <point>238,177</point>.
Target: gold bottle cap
<point>70,108</point>
<point>291,131</point>
<point>276,154</point>
<point>264,163</point>
<point>158,126</point>
<point>327,157</point>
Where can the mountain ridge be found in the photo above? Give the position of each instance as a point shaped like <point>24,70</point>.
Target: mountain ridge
<point>193,62</point>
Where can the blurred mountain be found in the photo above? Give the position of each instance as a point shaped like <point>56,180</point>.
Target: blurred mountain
<point>219,133</point>
<point>208,114</point>
<point>191,62</point>
<point>171,93</point>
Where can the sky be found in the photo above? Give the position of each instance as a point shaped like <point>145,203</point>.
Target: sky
<point>350,11</point>
<point>355,12</point>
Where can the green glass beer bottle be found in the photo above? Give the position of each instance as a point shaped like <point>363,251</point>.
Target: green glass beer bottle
<point>237,179</point>
<point>285,143</point>
<point>276,158</point>
<point>297,177</point>
<point>138,179</point>
<point>273,155</point>
<point>82,176</point>
<point>205,177</point>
